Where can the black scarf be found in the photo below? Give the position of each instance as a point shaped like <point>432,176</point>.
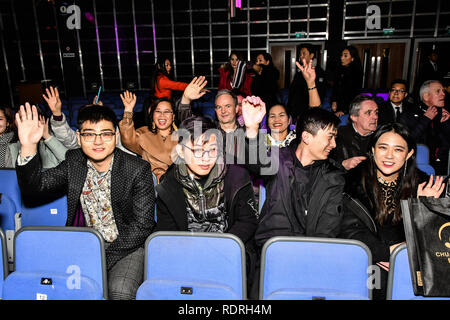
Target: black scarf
<point>5,156</point>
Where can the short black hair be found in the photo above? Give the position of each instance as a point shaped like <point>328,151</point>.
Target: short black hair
<point>196,125</point>
<point>399,81</point>
<point>308,47</point>
<point>95,113</point>
<point>314,119</point>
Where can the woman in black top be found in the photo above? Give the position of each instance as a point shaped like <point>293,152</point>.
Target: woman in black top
<point>372,212</point>
<point>264,84</point>
<point>347,82</point>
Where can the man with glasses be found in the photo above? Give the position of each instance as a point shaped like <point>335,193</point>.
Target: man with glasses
<point>200,193</point>
<point>390,111</point>
<point>107,189</point>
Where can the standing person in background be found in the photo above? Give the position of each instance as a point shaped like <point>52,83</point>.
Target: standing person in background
<point>235,75</point>
<point>298,100</point>
<point>265,84</point>
<point>348,81</point>
<point>162,83</point>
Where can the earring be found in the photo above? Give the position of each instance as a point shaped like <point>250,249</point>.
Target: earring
<point>153,125</point>
<point>174,126</point>
<point>404,170</point>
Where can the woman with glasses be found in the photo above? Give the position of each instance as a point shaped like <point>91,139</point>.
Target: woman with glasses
<point>153,142</point>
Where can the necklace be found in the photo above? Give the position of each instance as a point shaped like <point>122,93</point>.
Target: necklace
<point>163,137</point>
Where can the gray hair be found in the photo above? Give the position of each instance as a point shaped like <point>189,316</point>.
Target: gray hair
<point>226,91</point>
<point>355,105</point>
<point>425,87</point>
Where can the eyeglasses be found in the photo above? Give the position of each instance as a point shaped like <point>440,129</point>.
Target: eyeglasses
<point>90,136</point>
<point>165,113</point>
<point>199,153</point>
<point>398,91</point>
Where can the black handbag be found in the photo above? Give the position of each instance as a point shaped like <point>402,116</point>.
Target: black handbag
<point>427,230</point>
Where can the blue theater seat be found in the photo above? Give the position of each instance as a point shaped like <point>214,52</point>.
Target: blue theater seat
<point>3,263</point>
<point>305,268</point>
<point>193,266</point>
<point>423,159</point>
<point>57,263</point>
<point>399,279</point>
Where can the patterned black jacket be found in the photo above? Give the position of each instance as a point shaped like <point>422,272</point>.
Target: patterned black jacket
<point>132,195</point>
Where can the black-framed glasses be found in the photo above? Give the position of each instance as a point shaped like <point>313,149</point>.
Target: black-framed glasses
<point>199,153</point>
<point>398,91</point>
<point>90,136</point>
<point>166,113</point>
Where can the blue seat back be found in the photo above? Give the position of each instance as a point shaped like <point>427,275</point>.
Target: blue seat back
<point>7,212</point>
<point>423,159</point>
<point>344,120</point>
<point>10,186</point>
<point>400,285</point>
<point>193,266</point>
<point>50,214</point>
<point>303,268</point>
<point>3,263</point>
<point>75,255</point>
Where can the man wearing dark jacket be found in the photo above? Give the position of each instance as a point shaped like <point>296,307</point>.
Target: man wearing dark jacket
<point>390,110</point>
<point>429,123</point>
<point>304,195</point>
<point>201,194</point>
<point>107,189</point>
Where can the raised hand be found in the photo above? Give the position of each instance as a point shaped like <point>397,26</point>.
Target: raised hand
<point>431,112</point>
<point>99,102</point>
<point>128,100</point>
<point>253,111</point>
<point>29,128</point>
<point>445,115</point>
<point>308,72</point>
<point>431,189</point>
<point>195,90</point>
<point>53,100</point>
<point>44,122</point>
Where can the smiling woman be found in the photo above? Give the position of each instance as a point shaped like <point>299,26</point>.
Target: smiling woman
<point>153,142</point>
<point>389,175</point>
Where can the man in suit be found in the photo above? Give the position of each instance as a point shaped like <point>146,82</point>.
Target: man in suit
<point>429,123</point>
<point>107,189</point>
<point>430,69</point>
<point>390,111</point>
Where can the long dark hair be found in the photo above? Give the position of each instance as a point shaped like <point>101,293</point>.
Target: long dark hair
<point>159,68</point>
<point>356,63</point>
<point>228,66</point>
<point>151,111</point>
<point>408,178</point>
<point>9,119</point>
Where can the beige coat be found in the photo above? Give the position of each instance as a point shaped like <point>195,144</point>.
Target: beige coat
<point>149,145</point>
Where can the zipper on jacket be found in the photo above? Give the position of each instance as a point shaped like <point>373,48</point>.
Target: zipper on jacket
<point>365,211</point>
<point>202,204</point>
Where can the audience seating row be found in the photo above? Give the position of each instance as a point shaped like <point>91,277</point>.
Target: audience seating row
<point>66,263</point>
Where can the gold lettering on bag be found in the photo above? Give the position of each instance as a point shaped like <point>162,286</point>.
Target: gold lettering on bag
<point>447,244</point>
<point>419,279</point>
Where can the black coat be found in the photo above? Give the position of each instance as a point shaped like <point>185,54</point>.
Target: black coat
<point>359,222</point>
<point>132,195</point>
<point>324,209</point>
<point>298,101</point>
<point>265,85</point>
<point>238,196</point>
<point>347,85</point>
<point>433,133</point>
<point>386,112</point>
